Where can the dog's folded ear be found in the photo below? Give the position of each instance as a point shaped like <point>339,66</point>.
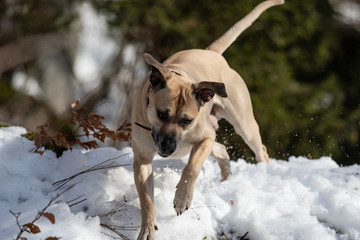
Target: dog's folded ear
<point>205,91</point>
<point>159,73</point>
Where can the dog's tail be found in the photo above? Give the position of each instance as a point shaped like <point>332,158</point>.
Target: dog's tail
<point>222,43</point>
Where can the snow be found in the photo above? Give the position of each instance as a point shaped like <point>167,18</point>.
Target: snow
<point>294,199</point>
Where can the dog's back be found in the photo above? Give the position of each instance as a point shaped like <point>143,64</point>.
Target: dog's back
<point>202,65</point>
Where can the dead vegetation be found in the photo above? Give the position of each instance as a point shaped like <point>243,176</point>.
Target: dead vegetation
<point>92,131</point>
<point>90,125</point>
<point>31,227</point>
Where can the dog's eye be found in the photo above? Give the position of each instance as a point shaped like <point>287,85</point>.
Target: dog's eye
<point>184,122</point>
<point>162,115</point>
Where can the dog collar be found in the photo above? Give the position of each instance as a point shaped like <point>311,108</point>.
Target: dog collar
<point>142,126</point>
<point>147,105</point>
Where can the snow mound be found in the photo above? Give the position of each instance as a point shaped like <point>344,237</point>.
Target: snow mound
<point>295,199</point>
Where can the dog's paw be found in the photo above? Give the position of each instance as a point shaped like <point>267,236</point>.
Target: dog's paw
<point>147,232</point>
<point>183,198</point>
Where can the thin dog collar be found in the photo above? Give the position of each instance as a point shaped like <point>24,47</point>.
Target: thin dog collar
<point>147,105</point>
<point>142,126</point>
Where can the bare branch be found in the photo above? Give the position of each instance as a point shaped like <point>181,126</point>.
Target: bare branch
<point>107,164</point>
<point>26,227</point>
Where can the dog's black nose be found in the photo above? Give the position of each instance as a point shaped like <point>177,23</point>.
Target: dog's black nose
<point>168,146</point>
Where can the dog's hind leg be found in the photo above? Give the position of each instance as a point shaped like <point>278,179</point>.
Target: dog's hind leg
<point>237,109</point>
<point>250,132</point>
<point>222,157</point>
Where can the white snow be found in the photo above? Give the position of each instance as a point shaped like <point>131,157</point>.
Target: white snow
<point>295,199</point>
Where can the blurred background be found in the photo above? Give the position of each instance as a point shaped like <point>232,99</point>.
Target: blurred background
<point>300,61</point>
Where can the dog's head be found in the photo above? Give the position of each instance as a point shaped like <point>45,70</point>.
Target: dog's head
<point>174,106</point>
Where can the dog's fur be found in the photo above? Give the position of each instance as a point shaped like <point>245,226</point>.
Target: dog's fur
<point>180,102</point>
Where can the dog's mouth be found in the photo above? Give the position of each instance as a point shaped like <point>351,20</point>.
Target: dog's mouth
<point>165,145</point>
<point>163,155</point>
<point>165,151</point>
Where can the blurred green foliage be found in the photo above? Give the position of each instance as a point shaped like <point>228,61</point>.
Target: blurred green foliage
<point>29,17</point>
<point>301,66</point>
<point>20,19</point>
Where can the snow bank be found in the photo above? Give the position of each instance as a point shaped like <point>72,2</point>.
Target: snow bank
<point>295,199</point>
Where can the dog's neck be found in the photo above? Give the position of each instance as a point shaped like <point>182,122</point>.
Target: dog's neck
<point>147,96</point>
<point>147,102</point>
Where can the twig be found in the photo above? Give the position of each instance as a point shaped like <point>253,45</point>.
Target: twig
<point>100,166</point>
<point>197,215</point>
<point>25,227</point>
<point>73,204</point>
<point>114,210</point>
<point>116,229</point>
<point>243,237</point>
<point>113,229</point>
<point>81,98</point>
<point>16,215</point>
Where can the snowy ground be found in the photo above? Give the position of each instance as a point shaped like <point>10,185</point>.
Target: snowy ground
<point>298,199</point>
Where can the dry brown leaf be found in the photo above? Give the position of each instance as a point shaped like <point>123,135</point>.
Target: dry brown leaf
<point>75,104</point>
<point>32,227</point>
<point>49,216</point>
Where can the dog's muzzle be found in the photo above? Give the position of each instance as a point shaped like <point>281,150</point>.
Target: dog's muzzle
<point>165,145</point>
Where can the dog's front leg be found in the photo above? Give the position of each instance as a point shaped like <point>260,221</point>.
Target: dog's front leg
<point>144,180</point>
<point>185,187</point>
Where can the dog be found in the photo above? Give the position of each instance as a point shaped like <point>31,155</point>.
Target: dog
<point>175,113</point>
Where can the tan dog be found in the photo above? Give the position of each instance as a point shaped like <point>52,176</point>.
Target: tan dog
<point>175,113</point>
